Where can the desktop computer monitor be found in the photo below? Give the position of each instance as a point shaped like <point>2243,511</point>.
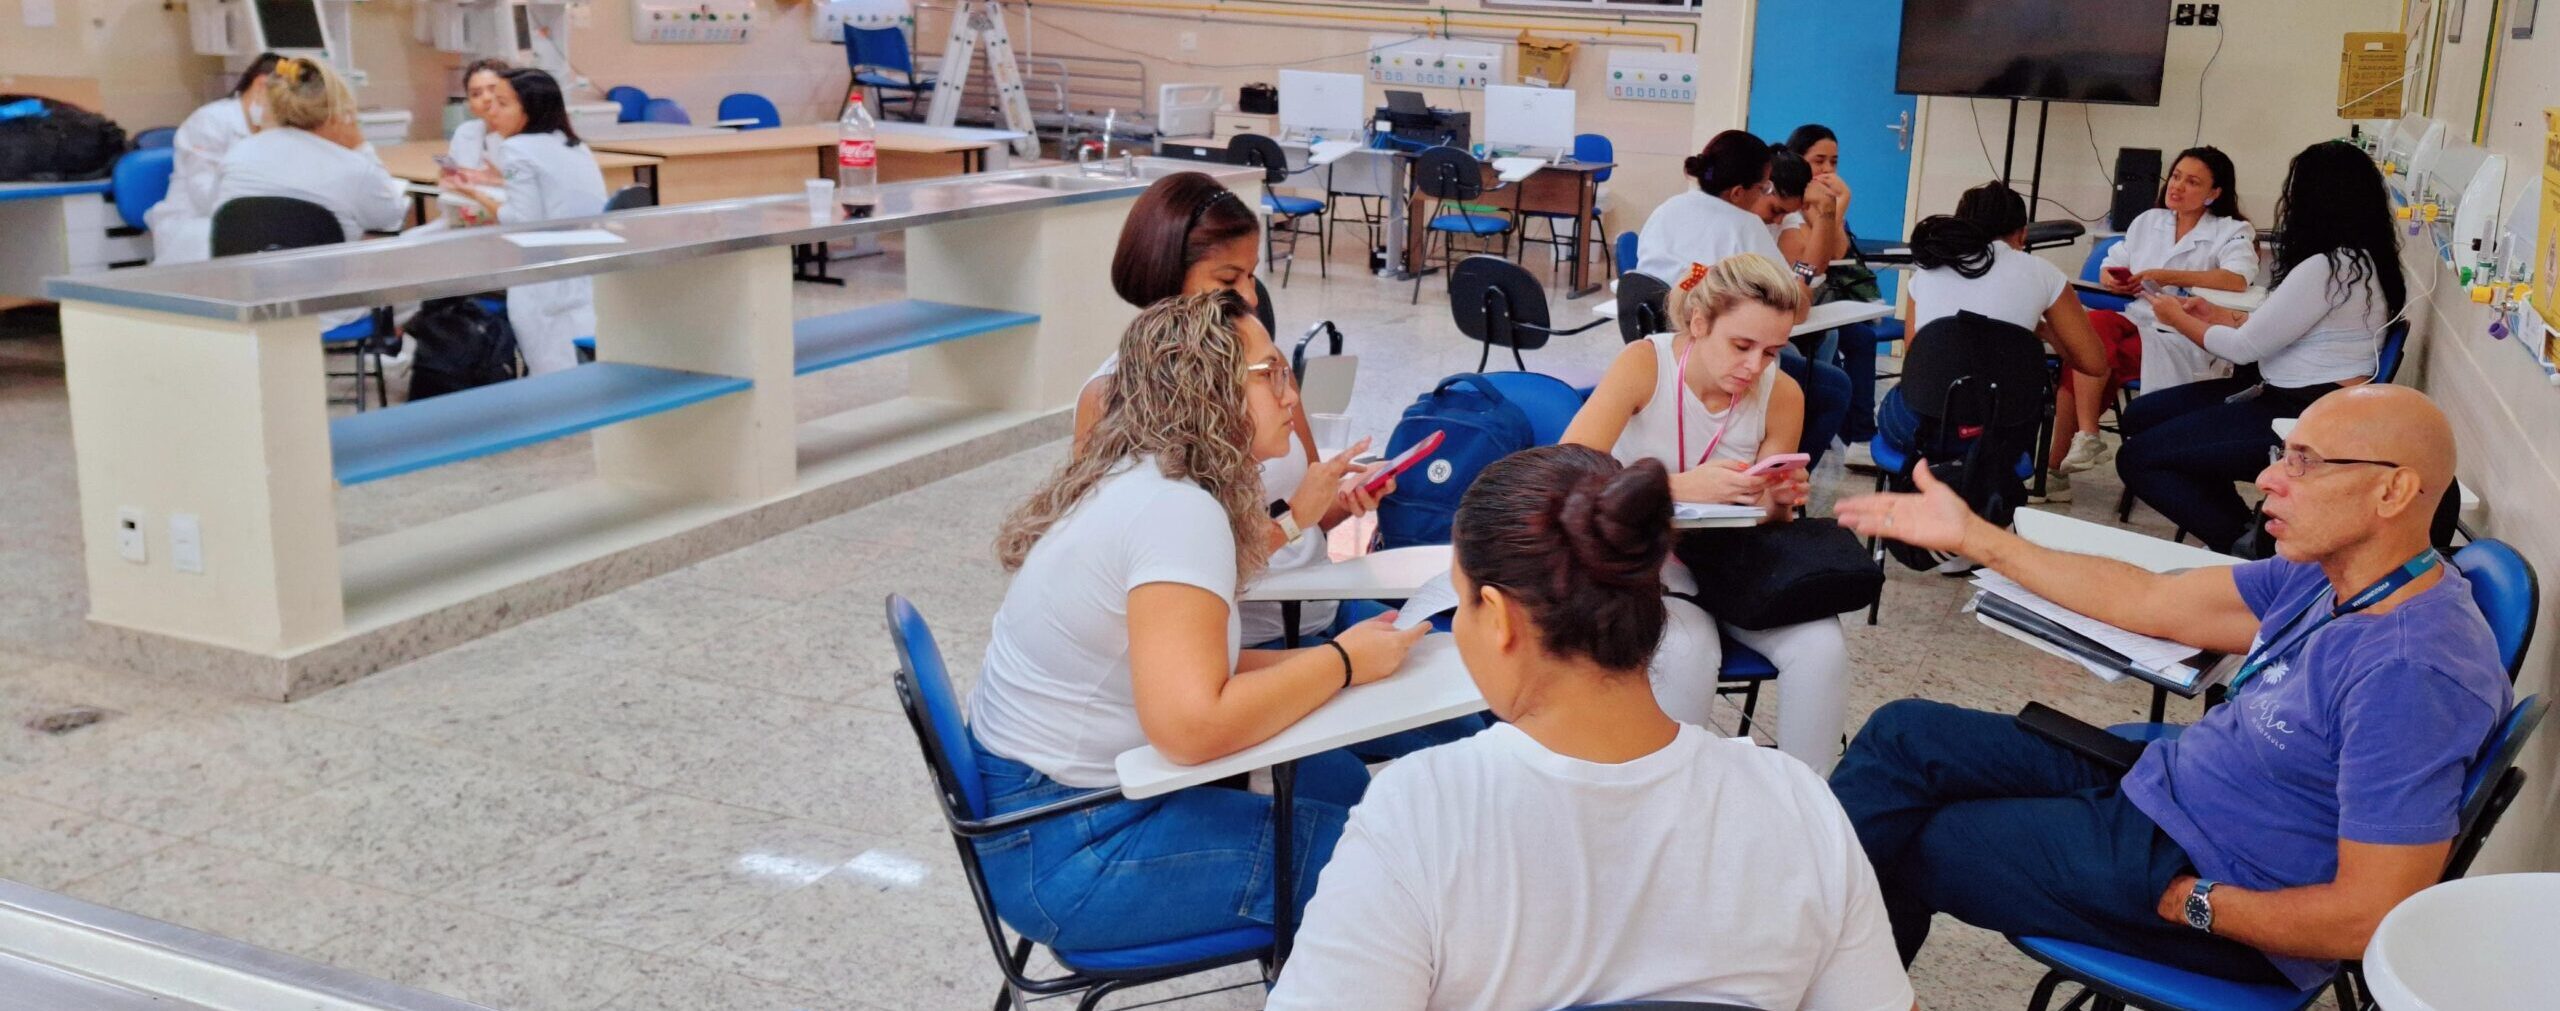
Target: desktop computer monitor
<point>1528,119</point>
<point>1323,105</point>
<point>291,27</point>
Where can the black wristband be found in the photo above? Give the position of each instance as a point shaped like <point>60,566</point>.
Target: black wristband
<point>1346,661</point>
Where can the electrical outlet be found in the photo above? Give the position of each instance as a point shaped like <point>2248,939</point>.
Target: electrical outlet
<point>2186,16</point>
<point>2210,15</point>
<point>129,535</point>
<point>186,543</point>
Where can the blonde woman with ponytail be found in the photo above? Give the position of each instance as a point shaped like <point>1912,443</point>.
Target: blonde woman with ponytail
<point>1120,629</point>
<point>308,147</point>
<point>1706,402</point>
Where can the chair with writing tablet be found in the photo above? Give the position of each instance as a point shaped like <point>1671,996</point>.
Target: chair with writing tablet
<point>665,110</point>
<point>880,61</point>
<point>2114,981</point>
<point>244,225</point>
<point>1285,211</point>
<point>1453,178</point>
<point>747,110</point>
<point>924,691</point>
<point>2094,268</point>
<point>1497,303</point>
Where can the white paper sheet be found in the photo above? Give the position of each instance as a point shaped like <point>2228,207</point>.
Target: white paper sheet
<point>1434,597</point>
<point>2159,656</point>
<point>567,237</point>
<point>1714,511</point>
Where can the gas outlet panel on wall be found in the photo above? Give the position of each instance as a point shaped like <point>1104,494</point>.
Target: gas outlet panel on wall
<point>827,21</point>
<point>1653,77</point>
<point>708,21</point>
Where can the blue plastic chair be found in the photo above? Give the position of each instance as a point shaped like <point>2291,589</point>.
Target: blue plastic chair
<point>2118,980</point>
<point>634,102</point>
<point>880,61</point>
<point>1450,177</point>
<point>924,691</point>
<point>2395,345</point>
<point>665,110</point>
<point>141,179</point>
<point>2094,268</point>
<point>1626,252</point>
<point>1587,147</point>
<point>156,137</point>
<point>747,110</point>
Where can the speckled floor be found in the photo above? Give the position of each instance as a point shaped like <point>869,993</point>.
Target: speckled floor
<point>696,793</point>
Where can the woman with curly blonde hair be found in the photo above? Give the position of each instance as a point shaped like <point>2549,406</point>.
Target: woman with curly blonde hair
<point>1120,629</point>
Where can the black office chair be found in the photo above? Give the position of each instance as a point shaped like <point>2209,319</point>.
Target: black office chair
<point>632,197</point>
<point>1286,211</point>
<point>1970,373</point>
<point>1642,302</point>
<point>1448,175</point>
<point>1496,301</point>
<point>245,225</point>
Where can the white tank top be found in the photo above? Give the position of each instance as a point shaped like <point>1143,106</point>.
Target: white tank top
<point>1657,429</point>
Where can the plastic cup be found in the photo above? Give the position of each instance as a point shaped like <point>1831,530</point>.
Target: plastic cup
<point>1332,432</point>
<point>822,199</point>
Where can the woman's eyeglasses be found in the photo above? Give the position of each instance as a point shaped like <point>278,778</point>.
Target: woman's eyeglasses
<point>1274,374</point>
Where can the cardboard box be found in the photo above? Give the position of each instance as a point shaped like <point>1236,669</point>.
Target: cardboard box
<point>1546,62</point>
<point>2370,68</point>
<point>2546,247</point>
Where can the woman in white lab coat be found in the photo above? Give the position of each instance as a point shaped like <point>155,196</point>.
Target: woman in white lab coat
<point>181,223</point>
<point>2195,237</point>
<point>309,148</point>
<point>474,149</point>
<point>549,175</point>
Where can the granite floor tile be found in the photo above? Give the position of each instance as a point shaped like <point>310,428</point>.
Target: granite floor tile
<point>234,895</point>
<point>814,649</point>
<point>644,727</point>
<point>664,873</point>
<point>187,772</point>
<point>423,819</point>
<point>678,985</point>
<point>49,846</point>
<point>893,927</point>
<point>487,960</point>
<point>795,566</point>
<point>851,768</point>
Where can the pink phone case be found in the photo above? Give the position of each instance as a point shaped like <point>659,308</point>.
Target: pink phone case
<point>1778,463</point>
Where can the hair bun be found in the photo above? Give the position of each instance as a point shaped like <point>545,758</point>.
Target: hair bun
<point>1618,525</point>
<point>1694,166</point>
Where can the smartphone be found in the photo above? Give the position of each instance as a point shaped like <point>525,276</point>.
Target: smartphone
<point>2151,287</point>
<point>1779,463</point>
<point>446,163</point>
<point>1404,461</point>
<point>2120,275</point>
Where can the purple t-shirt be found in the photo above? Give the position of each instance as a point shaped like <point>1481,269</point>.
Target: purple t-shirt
<point>2365,733</point>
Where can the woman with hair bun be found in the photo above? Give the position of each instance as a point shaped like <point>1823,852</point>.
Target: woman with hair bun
<point>181,224</point>
<point>1707,402</point>
<point>308,147</point>
<point>1588,849</point>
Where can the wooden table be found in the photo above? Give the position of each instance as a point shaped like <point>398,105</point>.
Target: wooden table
<point>756,163</point>
<point>415,163</point>
<point>1567,188</point>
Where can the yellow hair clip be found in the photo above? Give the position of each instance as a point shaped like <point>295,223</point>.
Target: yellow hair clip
<point>290,69</point>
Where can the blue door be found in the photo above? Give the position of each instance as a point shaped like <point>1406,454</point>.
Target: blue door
<point>1831,62</point>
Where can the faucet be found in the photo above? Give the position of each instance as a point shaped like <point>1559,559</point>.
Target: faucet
<point>1085,153</point>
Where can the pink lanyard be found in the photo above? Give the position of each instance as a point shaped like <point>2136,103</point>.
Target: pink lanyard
<point>1680,413</point>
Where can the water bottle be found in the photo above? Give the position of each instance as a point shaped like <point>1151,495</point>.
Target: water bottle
<point>857,159</point>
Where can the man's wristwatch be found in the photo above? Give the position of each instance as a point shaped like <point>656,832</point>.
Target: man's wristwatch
<point>2200,905</point>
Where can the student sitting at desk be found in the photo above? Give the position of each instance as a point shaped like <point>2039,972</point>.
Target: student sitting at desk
<point>1588,848</point>
<point>181,223</point>
<point>1975,261</point>
<point>2337,289</point>
<point>1824,220</point>
<point>474,147</point>
<point>1706,402</point>
<point>1726,216</point>
<point>1185,235</point>
<point>2265,842</point>
<point>309,148</point>
<point>549,176</point>
<point>1120,630</point>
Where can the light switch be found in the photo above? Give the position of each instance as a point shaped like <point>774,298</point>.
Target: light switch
<point>129,535</point>
<point>186,543</point>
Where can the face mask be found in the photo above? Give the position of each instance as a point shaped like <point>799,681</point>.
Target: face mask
<point>257,114</point>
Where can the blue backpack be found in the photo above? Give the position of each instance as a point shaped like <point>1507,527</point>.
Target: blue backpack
<point>1482,427</point>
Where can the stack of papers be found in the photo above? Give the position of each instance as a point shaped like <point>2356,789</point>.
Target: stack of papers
<point>1516,169</point>
<point>1326,152</point>
<point>2107,651</point>
<point>1434,597</point>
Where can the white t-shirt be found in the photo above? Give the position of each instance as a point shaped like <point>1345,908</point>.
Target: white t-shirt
<point>2306,334</point>
<point>1695,227</point>
<point>2152,243</point>
<point>2018,288</point>
<point>1054,693</point>
<point>1495,874</point>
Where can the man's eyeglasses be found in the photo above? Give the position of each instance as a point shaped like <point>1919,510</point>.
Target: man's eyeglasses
<point>2298,462</point>
<point>1274,374</point>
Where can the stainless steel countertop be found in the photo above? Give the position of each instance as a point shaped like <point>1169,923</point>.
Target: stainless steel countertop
<point>304,282</point>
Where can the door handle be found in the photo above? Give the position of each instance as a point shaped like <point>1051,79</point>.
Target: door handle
<point>1901,131</point>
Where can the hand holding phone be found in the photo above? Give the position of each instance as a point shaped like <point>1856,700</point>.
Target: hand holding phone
<point>1779,463</point>
<point>1404,461</point>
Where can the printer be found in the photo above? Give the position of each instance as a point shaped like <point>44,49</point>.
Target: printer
<point>1411,120</point>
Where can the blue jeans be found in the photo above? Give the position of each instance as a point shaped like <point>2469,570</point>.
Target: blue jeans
<point>1968,813</point>
<point>2184,449</point>
<point>1138,872</point>
<point>1897,423</point>
<point>1858,359</point>
<point>1826,400</point>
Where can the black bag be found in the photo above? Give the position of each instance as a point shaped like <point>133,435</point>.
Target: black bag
<point>1258,99</point>
<point>1980,386</point>
<point>461,344</point>
<point>50,141</point>
<point>1779,574</point>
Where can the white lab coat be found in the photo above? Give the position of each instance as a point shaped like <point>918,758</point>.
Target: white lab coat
<point>547,180</point>
<point>182,223</point>
<point>472,145</point>
<point>352,184</point>
<point>2152,243</point>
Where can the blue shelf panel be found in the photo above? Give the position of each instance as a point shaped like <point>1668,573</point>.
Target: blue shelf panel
<point>34,191</point>
<point>491,419</point>
<point>826,342</point>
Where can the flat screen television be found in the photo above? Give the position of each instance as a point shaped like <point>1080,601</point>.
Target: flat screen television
<point>291,25</point>
<point>2095,51</point>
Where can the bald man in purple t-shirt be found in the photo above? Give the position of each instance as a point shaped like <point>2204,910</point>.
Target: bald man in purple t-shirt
<point>2266,842</point>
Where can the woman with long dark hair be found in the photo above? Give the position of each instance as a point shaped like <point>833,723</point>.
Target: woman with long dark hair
<point>181,223</point>
<point>1819,235</point>
<point>2338,287</point>
<point>549,175</point>
<point>1589,848</point>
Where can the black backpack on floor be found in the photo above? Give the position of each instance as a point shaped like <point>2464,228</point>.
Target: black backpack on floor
<point>461,344</point>
<point>52,141</point>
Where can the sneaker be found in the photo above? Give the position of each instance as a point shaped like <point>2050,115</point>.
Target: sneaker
<point>2057,490</point>
<point>2088,451</point>
<point>1861,457</point>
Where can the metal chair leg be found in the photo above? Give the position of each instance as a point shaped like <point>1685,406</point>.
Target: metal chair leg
<point>2041,1000</point>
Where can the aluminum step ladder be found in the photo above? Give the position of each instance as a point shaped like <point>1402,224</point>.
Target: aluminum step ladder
<point>972,22</point>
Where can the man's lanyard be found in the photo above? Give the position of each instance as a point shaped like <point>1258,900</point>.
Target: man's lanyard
<point>2278,646</point>
<point>1680,414</point>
